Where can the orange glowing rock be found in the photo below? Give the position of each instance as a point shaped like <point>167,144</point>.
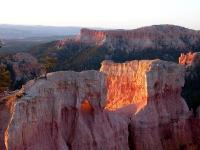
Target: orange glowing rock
<point>127,84</point>
<point>86,106</point>
<point>186,59</point>
<point>148,93</point>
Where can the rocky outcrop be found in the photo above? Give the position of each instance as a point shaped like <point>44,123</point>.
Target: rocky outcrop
<point>191,90</point>
<point>188,58</point>
<point>23,67</point>
<point>65,112</point>
<point>159,37</point>
<point>6,109</point>
<point>149,93</point>
<point>92,37</point>
<point>132,105</point>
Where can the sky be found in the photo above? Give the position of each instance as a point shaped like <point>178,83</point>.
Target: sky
<point>123,14</point>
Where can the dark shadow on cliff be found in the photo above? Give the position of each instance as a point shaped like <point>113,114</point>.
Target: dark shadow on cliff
<point>191,89</point>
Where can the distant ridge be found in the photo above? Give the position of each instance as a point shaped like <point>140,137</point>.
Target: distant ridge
<point>152,37</point>
<point>25,31</point>
<point>91,46</point>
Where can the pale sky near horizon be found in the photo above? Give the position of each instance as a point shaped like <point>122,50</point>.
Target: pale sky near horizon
<point>127,14</point>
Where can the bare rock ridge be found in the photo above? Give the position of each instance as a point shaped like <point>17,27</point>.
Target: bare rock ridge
<point>132,105</point>
<point>152,37</point>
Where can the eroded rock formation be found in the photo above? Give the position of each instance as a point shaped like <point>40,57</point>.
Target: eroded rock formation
<point>132,105</point>
<point>153,37</point>
<point>149,92</point>
<point>65,112</point>
<point>191,90</point>
<point>6,109</point>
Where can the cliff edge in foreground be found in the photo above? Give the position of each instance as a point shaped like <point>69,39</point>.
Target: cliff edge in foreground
<point>132,105</point>
<point>65,112</point>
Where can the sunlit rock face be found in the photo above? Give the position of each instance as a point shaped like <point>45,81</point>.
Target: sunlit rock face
<point>66,111</point>
<point>92,37</point>
<point>7,104</point>
<point>190,59</point>
<point>136,82</point>
<point>186,59</point>
<point>159,37</point>
<point>126,83</point>
<point>149,93</point>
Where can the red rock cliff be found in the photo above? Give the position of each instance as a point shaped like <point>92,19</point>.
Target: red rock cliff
<point>93,37</point>
<point>152,37</point>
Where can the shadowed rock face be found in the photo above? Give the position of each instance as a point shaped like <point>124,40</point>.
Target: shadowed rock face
<point>191,90</point>
<point>133,105</point>
<point>23,67</point>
